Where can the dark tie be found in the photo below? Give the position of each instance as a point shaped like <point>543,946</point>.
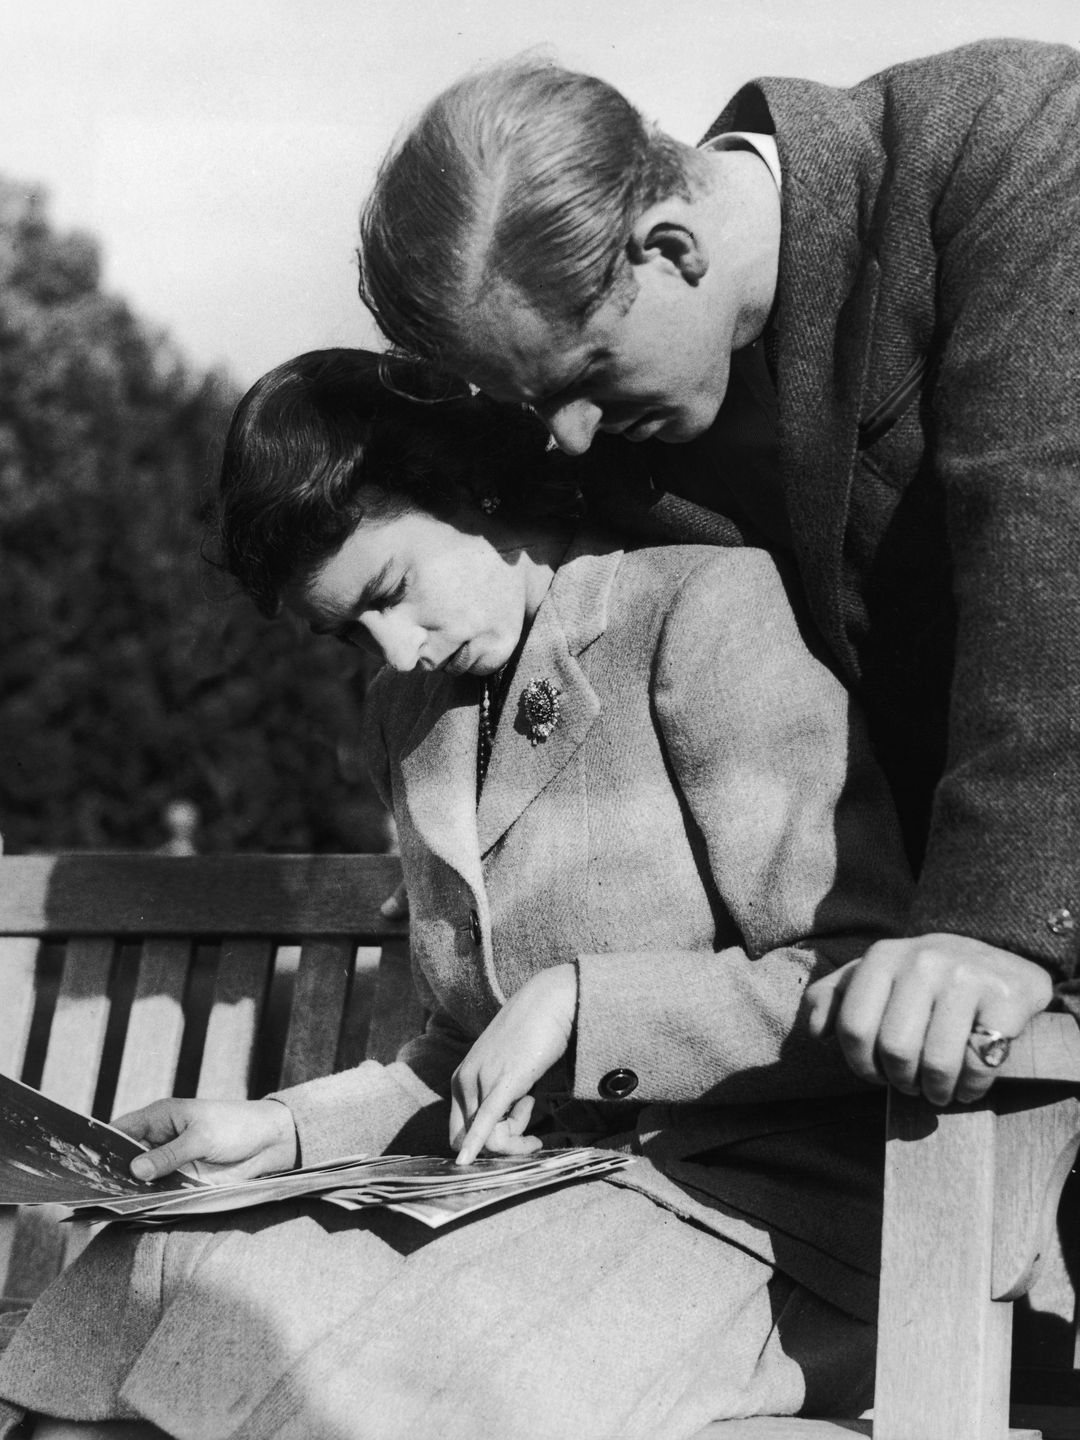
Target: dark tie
<point>720,489</point>
<point>735,467</point>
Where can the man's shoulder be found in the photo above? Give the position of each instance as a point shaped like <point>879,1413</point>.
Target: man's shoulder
<point>995,84</point>
<point>985,63</point>
<point>956,79</point>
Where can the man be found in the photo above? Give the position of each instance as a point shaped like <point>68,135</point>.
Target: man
<point>848,324</point>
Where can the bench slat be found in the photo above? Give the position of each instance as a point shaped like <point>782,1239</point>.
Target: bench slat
<point>1048,1049</point>
<point>322,982</point>
<point>232,1027</point>
<point>397,1014</point>
<point>155,1026</point>
<point>356,1025</point>
<point>199,895</point>
<point>18,970</point>
<point>18,975</point>
<point>40,1245</point>
<point>73,1056</point>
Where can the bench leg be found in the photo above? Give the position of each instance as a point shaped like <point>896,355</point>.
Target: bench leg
<point>943,1344</point>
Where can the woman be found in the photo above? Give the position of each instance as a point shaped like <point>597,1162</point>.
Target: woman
<point>636,817</point>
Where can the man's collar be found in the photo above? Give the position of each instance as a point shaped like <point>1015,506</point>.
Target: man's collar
<point>763,145</point>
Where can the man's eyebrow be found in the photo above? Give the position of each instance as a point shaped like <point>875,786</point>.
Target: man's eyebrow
<point>594,358</point>
<point>553,394</point>
<point>370,593</point>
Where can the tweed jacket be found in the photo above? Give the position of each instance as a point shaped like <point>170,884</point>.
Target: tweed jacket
<point>701,834</point>
<point>930,245</point>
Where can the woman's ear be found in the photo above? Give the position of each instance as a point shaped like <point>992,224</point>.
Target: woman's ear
<point>663,234</point>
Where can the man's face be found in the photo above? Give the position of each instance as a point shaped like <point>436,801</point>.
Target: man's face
<point>657,367</point>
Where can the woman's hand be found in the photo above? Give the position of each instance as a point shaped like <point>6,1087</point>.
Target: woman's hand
<point>233,1139</point>
<point>905,1011</point>
<point>490,1102</point>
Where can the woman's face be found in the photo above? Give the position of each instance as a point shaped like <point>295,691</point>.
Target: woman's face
<point>422,592</point>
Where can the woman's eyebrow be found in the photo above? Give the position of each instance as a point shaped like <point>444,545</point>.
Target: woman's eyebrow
<point>370,593</point>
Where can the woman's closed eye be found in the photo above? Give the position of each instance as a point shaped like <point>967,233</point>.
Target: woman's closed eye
<point>385,599</point>
<point>353,632</point>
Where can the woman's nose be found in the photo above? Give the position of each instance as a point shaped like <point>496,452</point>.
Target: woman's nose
<point>572,424</point>
<point>398,642</point>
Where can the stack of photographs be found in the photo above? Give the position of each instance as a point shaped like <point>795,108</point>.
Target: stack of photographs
<point>50,1154</point>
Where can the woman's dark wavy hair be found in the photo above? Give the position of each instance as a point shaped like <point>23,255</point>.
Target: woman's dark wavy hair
<point>334,436</point>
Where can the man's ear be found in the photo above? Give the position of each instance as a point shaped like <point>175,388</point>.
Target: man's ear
<point>662,235</point>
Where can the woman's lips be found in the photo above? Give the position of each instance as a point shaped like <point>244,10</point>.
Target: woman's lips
<point>458,662</point>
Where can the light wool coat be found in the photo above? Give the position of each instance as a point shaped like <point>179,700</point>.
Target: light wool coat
<point>702,833</point>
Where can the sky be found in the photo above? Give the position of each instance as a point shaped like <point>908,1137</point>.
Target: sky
<point>220,149</point>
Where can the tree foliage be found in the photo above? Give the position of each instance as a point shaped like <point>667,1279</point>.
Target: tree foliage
<point>130,676</point>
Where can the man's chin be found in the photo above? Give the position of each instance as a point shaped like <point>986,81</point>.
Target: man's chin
<point>672,428</point>
<point>680,430</point>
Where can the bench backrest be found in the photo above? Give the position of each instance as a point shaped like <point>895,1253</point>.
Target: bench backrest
<point>130,977</point>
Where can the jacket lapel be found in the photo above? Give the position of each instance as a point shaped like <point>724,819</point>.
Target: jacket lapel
<point>438,766</point>
<point>824,373</point>
<point>573,614</point>
<point>827,289</point>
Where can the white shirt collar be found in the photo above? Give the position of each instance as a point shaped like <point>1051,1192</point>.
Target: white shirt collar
<point>765,145</point>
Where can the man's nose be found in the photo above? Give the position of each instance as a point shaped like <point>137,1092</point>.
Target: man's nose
<point>398,643</point>
<point>572,424</point>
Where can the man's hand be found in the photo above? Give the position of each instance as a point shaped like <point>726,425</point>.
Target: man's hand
<point>490,1103</point>
<point>234,1139</point>
<point>905,1011</point>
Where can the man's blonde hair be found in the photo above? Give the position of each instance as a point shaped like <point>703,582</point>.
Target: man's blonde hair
<point>523,174</point>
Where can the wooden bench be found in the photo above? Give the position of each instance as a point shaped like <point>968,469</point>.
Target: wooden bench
<point>129,977</point>
<point>974,1222</point>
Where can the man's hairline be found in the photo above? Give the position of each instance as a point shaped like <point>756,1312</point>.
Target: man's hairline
<point>698,178</point>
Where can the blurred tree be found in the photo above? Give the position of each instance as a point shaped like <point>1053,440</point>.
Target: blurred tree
<point>129,675</point>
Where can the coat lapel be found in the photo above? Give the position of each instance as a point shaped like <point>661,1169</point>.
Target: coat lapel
<point>827,288</point>
<point>438,766</point>
<point>573,614</point>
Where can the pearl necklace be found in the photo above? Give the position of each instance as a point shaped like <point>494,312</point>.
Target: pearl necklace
<point>490,687</point>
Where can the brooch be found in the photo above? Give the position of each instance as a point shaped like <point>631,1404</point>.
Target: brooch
<point>540,702</point>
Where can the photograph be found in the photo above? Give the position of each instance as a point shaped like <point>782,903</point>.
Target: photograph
<point>539,727</point>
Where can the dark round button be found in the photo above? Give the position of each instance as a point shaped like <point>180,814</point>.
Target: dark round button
<point>474,927</point>
<point>617,1084</point>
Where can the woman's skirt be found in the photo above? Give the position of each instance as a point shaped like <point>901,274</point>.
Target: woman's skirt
<point>586,1313</point>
